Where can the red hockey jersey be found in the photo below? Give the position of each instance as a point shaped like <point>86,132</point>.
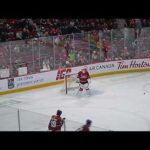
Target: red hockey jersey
<point>55,123</point>
<point>84,128</point>
<point>83,76</point>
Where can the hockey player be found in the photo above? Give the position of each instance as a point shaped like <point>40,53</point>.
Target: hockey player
<point>56,122</point>
<point>83,77</point>
<point>86,127</point>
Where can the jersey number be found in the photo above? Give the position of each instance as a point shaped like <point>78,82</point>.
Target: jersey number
<point>53,123</point>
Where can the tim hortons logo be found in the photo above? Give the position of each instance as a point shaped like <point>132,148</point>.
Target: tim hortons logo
<point>62,72</point>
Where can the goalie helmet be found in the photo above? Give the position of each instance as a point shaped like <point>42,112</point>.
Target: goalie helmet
<point>84,68</point>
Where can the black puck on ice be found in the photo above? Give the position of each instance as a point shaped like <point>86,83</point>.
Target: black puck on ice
<point>144,93</point>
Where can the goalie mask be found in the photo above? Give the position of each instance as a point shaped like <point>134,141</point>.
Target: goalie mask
<point>84,69</point>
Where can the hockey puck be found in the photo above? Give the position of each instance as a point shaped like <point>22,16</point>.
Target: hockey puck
<point>144,93</point>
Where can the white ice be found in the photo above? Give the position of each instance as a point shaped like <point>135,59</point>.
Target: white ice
<point>117,102</point>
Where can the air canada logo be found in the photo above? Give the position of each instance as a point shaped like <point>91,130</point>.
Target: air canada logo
<point>11,83</point>
<point>62,72</point>
<point>103,66</point>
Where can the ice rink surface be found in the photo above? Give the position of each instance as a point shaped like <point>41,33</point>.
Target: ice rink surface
<point>117,102</point>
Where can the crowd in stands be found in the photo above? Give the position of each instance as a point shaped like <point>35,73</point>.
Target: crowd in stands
<point>67,50</point>
<point>18,29</point>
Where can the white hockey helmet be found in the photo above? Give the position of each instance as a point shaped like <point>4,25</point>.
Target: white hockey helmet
<point>84,68</point>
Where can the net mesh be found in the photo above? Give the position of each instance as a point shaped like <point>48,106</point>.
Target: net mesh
<point>72,81</point>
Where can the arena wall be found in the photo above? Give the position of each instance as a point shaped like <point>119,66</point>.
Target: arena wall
<point>44,79</point>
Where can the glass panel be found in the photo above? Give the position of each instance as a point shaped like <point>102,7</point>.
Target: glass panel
<point>82,49</point>
<point>63,46</point>
<point>95,48</point>
<point>117,41</point>
<point>46,54</point>
<point>5,55</point>
<point>21,55</point>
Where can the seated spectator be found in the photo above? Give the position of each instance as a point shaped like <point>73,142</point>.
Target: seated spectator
<point>94,57</point>
<point>49,27</point>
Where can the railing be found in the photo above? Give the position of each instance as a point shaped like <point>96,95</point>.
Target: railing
<point>13,119</point>
<point>53,52</point>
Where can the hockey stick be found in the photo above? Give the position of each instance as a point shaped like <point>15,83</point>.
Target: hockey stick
<point>64,124</point>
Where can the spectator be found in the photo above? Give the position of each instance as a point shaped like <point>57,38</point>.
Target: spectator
<point>138,27</point>
<point>29,29</point>
<point>51,63</point>
<point>19,35</point>
<point>24,33</point>
<point>94,57</point>
<point>71,57</point>
<point>67,64</point>
<point>47,27</point>
<point>105,47</point>
<point>46,64</point>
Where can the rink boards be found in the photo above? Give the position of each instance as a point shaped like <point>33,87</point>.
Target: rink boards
<point>44,79</point>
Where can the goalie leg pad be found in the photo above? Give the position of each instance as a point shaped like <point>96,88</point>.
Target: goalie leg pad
<point>81,89</point>
<point>84,86</point>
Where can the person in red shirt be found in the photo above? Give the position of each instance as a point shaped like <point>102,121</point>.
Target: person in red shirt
<point>86,127</point>
<point>56,122</point>
<point>105,47</point>
<point>83,77</point>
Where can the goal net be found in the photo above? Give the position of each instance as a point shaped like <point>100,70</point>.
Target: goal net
<point>71,82</point>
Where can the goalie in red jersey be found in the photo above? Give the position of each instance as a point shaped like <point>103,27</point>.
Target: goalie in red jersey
<point>83,79</point>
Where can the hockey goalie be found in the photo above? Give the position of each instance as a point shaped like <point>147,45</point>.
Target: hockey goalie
<point>83,79</point>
